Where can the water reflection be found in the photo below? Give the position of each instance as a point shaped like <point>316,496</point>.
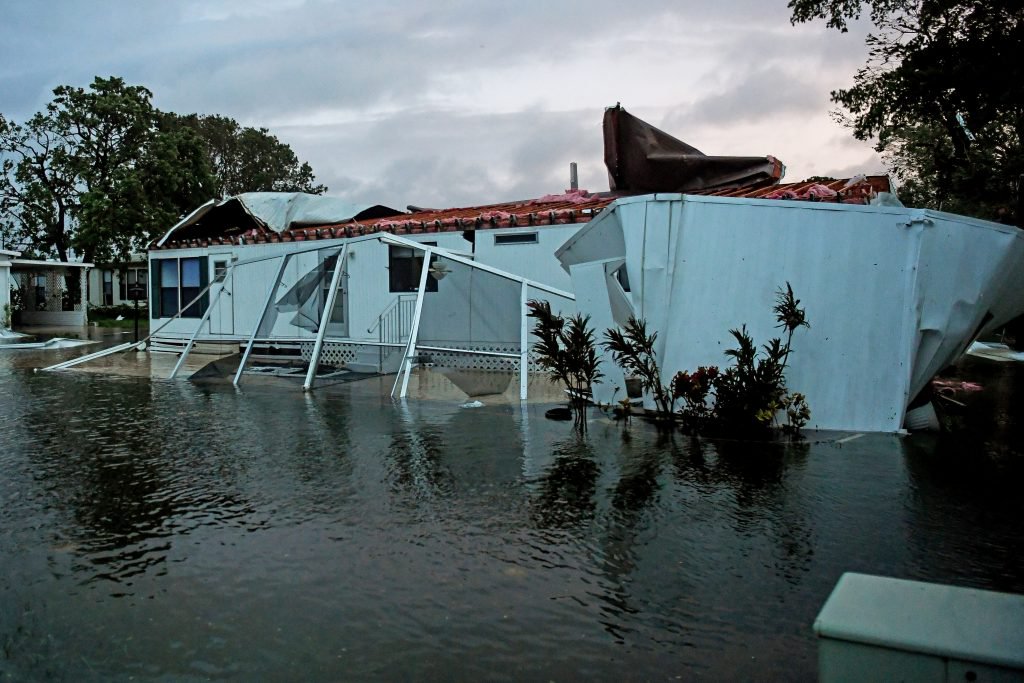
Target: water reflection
<point>340,535</point>
<point>565,494</point>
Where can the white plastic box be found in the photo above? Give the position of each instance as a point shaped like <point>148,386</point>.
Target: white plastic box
<point>874,628</point>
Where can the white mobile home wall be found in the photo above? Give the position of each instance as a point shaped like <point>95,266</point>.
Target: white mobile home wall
<point>892,295</point>
<point>367,283</point>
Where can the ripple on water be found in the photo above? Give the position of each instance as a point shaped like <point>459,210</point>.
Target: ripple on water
<point>164,530</point>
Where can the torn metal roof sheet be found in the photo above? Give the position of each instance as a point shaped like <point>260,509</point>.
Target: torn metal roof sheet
<point>268,212</point>
<point>642,159</point>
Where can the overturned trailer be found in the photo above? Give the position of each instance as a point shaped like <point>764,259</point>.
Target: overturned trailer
<point>893,295</point>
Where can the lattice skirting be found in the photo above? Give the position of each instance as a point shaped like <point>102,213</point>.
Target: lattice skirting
<point>333,354</point>
<point>468,361</point>
<point>339,354</point>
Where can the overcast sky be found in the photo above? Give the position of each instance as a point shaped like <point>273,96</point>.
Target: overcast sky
<point>457,102</point>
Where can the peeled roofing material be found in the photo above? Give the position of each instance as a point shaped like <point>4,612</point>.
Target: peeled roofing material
<point>640,158</point>
<point>276,212</point>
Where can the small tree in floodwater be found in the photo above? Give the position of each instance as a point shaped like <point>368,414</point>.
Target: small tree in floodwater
<point>751,392</point>
<point>565,348</point>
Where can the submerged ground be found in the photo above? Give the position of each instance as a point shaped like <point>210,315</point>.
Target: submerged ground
<point>155,530</point>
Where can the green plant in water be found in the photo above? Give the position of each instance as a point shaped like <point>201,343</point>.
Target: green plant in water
<point>696,413</point>
<point>566,349</point>
<point>633,350</point>
<point>745,398</point>
<point>750,393</point>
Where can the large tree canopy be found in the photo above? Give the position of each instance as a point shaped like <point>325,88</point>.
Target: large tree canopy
<point>248,159</point>
<point>943,96</point>
<point>100,171</point>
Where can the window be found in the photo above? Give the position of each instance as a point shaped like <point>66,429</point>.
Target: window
<point>131,278</point>
<point>405,265</point>
<point>108,288</point>
<point>516,238</point>
<point>220,270</point>
<point>190,286</point>
<point>178,282</point>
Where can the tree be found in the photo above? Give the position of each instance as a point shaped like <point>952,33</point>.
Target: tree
<point>96,173</point>
<point>943,96</point>
<point>101,172</point>
<point>248,159</point>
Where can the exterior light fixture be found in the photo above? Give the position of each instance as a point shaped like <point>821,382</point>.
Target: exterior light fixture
<point>438,270</point>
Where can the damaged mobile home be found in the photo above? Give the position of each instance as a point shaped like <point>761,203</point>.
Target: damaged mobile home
<point>694,244</point>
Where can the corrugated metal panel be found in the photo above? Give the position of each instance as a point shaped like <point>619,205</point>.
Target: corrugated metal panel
<point>892,294</point>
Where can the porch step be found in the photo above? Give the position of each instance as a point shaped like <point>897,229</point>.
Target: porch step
<point>368,360</point>
<point>166,345</point>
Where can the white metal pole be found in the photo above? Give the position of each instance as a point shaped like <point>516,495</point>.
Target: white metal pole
<point>199,327</point>
<point>125,347</point>
<point>256,328</point>
<point>325,318</point>
<point>414,331</point>
<point>455,258</point>
<point>524,341</point>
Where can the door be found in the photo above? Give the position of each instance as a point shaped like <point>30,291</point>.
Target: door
<point>222,317</point>
<point>337,325</point>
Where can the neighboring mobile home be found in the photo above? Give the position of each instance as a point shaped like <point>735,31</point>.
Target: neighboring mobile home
<point>113,284</point>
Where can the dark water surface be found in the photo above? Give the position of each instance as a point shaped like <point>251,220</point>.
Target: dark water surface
<point>154,530</point>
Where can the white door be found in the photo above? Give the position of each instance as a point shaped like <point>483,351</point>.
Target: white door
<point>338,324</point>
<point>222,317</point>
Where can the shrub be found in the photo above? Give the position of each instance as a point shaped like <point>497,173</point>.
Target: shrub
<point>633,351</point>
<point>565,348</point>
<point>751,392</point>
<point>743,399</point>
<point>125,310</point>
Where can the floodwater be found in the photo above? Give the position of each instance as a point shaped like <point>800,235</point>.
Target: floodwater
<point>155,530</point>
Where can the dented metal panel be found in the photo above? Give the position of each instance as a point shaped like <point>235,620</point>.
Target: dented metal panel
<point>893,295</point>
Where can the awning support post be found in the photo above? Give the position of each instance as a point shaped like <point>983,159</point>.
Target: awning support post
<point>524,341</point>
<point>410,349</point>
<point>199,327</point>
<point>325,318</point>
<point>256,327</point>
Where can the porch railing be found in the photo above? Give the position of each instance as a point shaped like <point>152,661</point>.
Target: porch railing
<point>394,323</point>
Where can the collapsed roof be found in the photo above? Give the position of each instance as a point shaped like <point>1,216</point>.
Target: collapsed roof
<point>640,159</point>
<point>256,213</point>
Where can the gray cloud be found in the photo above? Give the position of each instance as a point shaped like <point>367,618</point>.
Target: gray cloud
<point>451,102</point>
<point>757,95</point>
<point>443,158</point>
<point>872,165</point>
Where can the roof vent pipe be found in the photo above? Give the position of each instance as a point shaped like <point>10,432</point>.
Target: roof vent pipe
<point>574,181</point>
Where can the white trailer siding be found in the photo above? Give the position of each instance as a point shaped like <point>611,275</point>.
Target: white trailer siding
<point>367,284</point>
<point>892,295</point>
<point>534,261</point>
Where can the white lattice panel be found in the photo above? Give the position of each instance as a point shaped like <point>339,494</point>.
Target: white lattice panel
<point>333,354</point>
<point>469,361</point>
<point>54,290</point>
